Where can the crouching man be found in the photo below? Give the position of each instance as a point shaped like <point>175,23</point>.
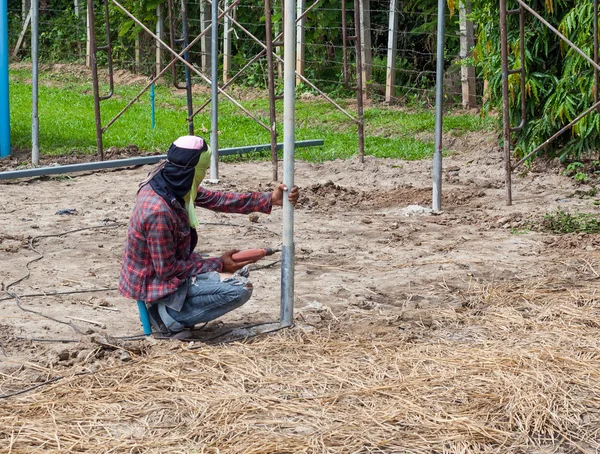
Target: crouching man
<point>160,266</point>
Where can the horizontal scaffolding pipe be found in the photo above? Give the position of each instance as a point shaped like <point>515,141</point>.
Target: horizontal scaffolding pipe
<point>98,165</point>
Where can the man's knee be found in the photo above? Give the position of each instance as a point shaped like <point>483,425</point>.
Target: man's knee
<point>246,292</point>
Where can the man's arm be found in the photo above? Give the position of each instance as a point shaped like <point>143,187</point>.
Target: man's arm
<point>159,237</point>
<point>243,203</point>
<point>234,202</point>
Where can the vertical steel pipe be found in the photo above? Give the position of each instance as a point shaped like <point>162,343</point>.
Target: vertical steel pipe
<point>359,82</point>
<point>505,102</point>
<point>160,27</point>
<point>214,83</point>
<point>271,73</point>
<point>344,44</point>
<point>227,44</point>
<point>4,100</point>
<point>522,69</point>
<point>188,75</point>
<point>439,105</point>
<point>94,67</point>
<point>289,104</point>
<point>35,124</point>
<point>596,50</point>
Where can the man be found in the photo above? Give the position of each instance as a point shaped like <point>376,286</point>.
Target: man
<point>160,266</point>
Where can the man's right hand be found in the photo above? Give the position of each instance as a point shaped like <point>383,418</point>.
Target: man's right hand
<point>231,266</point>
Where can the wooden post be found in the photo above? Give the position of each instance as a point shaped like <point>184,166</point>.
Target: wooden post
<point>226,45</point>
<point>25,8</point>
<point>205,10</point>
<point>300,44</point>
<point>21,40</point>
<point>138,62</point>
<point>390,78</point>
<point>160,31</point>
<point>467,41</point>
<point>365,38</point>
<point>77,10</point>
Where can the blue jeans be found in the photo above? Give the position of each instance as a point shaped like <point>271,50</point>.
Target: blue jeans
<point>208,297</point>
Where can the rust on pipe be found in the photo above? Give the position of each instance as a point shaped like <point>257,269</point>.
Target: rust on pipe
<point>94,68</point>
<point>271,74</point>
<point>505,104</point>
<point>359,83</point>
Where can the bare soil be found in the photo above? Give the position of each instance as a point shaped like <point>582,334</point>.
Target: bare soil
<point>368,262</point>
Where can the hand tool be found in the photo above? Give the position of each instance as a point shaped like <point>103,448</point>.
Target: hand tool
<point>253,254</point>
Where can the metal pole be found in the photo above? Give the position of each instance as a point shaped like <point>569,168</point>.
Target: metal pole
<point>505,103</point>
<point>345,44</point>
<point>188,76</point>
<point>390,78</point>
<point>439,104</point>
<point>596,50</point>
<point>359,81</point>
<point>35,123</point>
<point>4,100</point>
<point>214,85</point>
<point>227,45</point>
<point>271,73</point>
<point>289,94</point>
<point>94,66</point>
<point>160,27</point>
<point>300,43</point>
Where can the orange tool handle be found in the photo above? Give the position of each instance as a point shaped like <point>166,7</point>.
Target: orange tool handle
<point>252,254</point>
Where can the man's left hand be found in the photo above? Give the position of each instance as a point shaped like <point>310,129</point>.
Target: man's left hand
<point>277,198</point>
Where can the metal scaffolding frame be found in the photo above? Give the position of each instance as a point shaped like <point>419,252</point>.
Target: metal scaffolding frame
<point>508,130</point>
<point>181,56</point>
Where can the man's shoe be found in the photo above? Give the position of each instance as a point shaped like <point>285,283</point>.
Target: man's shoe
<point>156,321</point>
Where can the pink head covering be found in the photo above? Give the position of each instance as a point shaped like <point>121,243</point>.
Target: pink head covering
<point>190,142</point>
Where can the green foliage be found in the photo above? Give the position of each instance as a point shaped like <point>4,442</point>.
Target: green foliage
<point>562,222</point>
<point>559,81</point>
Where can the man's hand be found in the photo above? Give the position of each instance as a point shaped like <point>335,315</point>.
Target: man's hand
<point>277,198</point>
<point>229,265</point>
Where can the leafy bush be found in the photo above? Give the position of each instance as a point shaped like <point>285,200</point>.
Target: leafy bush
<point>559,82</point>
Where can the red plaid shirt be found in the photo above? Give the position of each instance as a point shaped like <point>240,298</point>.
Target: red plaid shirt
<point>157,259</point>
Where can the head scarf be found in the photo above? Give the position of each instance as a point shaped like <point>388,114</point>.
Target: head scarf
<point>175,177</point>
<point>190,197</point>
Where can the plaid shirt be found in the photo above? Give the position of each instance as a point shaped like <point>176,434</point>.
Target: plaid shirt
<point>157,259</point>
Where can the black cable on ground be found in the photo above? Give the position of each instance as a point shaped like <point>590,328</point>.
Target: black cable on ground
<point>40,256</point>
<point>53,293</point>
<point>71,324</point>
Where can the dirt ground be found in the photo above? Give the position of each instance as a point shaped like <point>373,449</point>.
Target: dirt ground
<point>371,259</point>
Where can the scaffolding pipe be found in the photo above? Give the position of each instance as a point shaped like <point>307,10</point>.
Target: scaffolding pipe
<point>99,165</point>
<point>214,85</point>
<point>4,100</point>
<point>35,124</point>
<point>439,104</point>
<point>271,73</point>
<point>505,103</point>
<point>289,95</point>
<point>95,84</point>
<point>359,82</point>
<point>596,50</point>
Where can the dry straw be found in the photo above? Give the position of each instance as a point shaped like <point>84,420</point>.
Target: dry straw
<point>515,369</point>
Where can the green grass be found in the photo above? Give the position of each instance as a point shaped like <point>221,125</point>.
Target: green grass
<point>66,117</point>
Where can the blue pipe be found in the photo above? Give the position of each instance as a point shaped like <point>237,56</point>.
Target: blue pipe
<point>4,101</point>
<point>144,318</point>
<point>152,105</point>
